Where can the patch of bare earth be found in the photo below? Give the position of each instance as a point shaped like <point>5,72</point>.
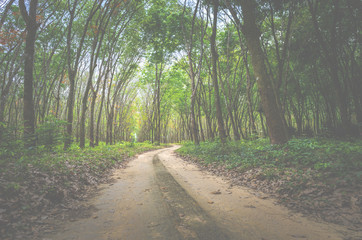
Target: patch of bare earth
<point>325,198</point>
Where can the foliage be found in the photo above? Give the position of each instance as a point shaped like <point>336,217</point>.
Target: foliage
<point>98,158</point>
<point>58,161</point>
<point>35,182</point>
<point>49,134</point>
<point>315,176</point>
<point>10,146</point>
<point>326,156</point>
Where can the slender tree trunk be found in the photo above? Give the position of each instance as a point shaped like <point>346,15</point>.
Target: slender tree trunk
<point>70,107</point>
<point>214,57</point>
<point>331,58</point>
<point>84,112</point>
<point>92,141</point>
<point>73,65</point>
<point>91,123</point>
<point>157,111</point>
<point>101,108</point>
<point>200,122</point>
<point>5,13</point>
<point>11,71</point>
<point>194,74</point>
<point>356,89</point>
<point>94,56</point>
<point>249,97</point>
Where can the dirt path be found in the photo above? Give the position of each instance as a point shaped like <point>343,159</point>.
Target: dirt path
<point>159,196</point>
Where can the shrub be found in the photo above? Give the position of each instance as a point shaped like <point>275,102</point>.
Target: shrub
<point>50,134</point>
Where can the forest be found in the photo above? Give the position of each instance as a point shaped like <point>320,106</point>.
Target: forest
<point>242,83</point>
<point>169,71</point>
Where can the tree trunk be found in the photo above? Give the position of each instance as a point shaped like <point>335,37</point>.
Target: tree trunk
<point>83,113</point>
<point>157,112</point>
<point>200,122</point>
<point>73,65</point>
<point>214,57</point>
<point>28,111</point>
<point>101,107</point>
<point>249,98</point>
<point>274,119</point>
<point>331,58</point>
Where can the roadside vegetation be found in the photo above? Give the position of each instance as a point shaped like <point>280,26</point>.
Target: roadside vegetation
<point>38,184</point>
<point>317,176</point>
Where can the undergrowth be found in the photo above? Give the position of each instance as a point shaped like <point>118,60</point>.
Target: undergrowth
<point>33,181</point>
<point>75,161</point>
<point>317,176</point>
<point>298,157</point>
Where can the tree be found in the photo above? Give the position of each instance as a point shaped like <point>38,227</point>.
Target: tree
<point>214,57</point>
<point>329,50</point>
<point>269,100</point>
<point>98,36</point>
<point>194,70</point>
<point>28,111</point>
<point>73,64</point>
<point>114,67</point>
<point>163,33</point>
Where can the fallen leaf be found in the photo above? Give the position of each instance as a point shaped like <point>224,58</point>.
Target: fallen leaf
<point>216,192</point>
<point>249,206</point>
<point>153,224</point>
<point>298,236</point>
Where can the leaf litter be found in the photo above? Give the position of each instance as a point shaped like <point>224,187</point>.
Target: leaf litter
<point>33,199</point>
<point>322,197</point>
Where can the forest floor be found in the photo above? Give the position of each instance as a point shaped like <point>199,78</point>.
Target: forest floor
<point>160,196</point>
<point>64,196</point>
<point>36,188</point>
<point>332,192</point>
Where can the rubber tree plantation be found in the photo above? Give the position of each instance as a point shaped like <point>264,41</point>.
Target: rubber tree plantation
<point>269,86</point>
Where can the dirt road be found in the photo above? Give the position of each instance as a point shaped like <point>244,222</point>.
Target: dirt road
<point>159,196</point>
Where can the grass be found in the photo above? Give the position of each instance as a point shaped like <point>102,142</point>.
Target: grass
<point>32,181</point>
<point>75,160</point>
<point>298,157</point>
<point>95,159</point>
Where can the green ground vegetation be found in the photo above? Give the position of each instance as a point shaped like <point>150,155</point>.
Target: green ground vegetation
<point>297,161</point>
<point>84,163</point>
<point>33,181</point>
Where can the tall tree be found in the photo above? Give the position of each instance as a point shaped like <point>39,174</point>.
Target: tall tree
<point>220,121</point>
<point>73,64</point>
<point>101,23</point>
<point>269,100</point>
<point>194,69</point>
<point>329,50</point>
<point>31,29</point>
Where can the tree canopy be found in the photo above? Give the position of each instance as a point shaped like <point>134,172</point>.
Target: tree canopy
<point>85,71</point>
